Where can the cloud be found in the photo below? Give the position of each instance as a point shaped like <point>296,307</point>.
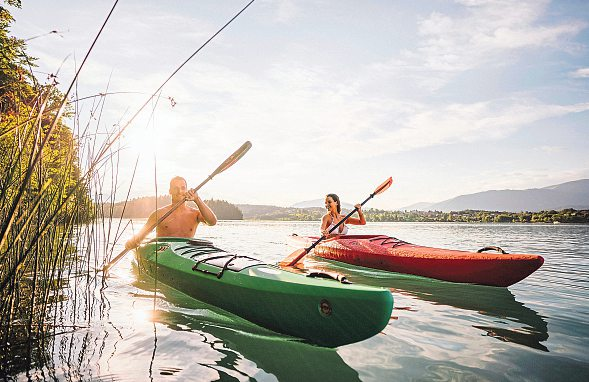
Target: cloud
<point>284,11</point>
<point>296,109</point>
<point>551,149</point>
<point>580,73</point>
<point>465,123</point>
<point>481,33</point>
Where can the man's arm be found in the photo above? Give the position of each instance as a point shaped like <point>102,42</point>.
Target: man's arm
<point>134,241</point>
<point>206,214</point>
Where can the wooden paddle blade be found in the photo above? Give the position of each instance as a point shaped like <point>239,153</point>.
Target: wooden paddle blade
<point>293,258</point>
<point>233,158</point>
<point>384,186</point>
<point>108,266</point>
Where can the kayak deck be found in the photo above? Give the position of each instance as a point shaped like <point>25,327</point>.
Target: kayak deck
<point>394,255</point>
<point>320,311</point>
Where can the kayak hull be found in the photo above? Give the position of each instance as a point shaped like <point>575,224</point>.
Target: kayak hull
<point>320,311</point>
<point>390,254</point>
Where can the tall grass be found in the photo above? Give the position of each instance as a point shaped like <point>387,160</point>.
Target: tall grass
<point>48,178</point>
<point>54,228</point>
<point>46,221</point>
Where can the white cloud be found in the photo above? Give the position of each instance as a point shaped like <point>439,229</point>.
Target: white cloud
<point>483,32</point>
<point>297,109</point>
<point>551,149</point>
<point>580,73</point>
<point>284,11</point>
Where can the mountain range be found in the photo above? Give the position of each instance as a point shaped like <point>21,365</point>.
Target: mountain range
<point>574,194</point>
<point>320,203</point>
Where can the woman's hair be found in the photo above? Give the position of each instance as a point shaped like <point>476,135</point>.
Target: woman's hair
<point>335,199</point>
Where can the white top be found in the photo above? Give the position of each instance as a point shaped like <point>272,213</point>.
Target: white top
<point>342,229</point>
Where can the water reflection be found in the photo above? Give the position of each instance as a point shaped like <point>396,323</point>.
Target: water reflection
<point>512,320</point>
<point>240,343</point>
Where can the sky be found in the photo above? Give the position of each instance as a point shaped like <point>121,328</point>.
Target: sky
<point>446,97</point>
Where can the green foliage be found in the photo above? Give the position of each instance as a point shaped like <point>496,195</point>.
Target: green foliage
<point>466,216</point>
<point>143,206</point>
<point>43,196</point>
<point>14,64</point>
<point>135,208</point>
<point>476,216</point>
<point>224,210</point>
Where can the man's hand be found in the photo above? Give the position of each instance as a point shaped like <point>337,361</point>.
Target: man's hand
<point>191,195</point>
<point>131,244</point>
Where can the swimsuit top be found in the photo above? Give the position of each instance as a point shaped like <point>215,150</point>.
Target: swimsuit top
<point>341,230</point>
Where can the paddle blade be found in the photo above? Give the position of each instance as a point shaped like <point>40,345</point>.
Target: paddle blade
<point>384,186</point>
<point>293,258</point>
<point>233,158</point>
<point>108,266</point>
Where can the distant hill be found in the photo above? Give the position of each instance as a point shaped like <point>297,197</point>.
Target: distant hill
<point>265,212</point>
<point>573,194</point>
<point>421,206</point>
<point>320,203</point>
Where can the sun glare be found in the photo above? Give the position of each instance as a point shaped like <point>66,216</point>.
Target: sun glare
<point>142,142</point>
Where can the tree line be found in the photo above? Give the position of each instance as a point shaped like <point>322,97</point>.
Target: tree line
<point>467,216</point>
<point>478,216</point>
<point>143,206</point>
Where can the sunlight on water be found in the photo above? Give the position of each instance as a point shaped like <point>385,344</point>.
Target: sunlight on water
<point>537,329</point>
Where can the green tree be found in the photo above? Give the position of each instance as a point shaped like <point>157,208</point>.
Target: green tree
<point>224,210</point>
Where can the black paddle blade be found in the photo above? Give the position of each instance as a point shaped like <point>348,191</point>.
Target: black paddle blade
<point>233,158</point>
<point>293,258</point>
<point>384,186</point>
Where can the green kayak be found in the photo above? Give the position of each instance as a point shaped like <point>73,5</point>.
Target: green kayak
<point>319,310</point>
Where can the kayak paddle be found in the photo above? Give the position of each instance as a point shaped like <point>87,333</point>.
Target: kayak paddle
<point>297,255</point>
<point>233,158</point>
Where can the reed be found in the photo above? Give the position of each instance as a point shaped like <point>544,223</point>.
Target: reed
<point>51,180</point>
<point>52,225</point>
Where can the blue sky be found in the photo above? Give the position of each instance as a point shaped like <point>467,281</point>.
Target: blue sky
<point>447,97</point>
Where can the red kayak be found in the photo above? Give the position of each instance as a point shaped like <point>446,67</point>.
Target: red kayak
<point>394,255</point>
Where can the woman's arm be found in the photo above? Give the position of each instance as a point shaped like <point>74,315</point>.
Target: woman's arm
<point>361,221</point>
<point>324,224</point>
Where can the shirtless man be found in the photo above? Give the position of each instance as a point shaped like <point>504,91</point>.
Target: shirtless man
<point>180,223</point>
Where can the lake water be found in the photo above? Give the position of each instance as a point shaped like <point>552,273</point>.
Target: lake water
<point>535,330</point>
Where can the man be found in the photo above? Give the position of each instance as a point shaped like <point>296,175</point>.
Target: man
<point>182,222</point>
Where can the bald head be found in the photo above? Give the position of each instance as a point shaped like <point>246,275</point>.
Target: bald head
<point>178,180</point>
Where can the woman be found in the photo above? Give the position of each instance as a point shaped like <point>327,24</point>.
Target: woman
<point>334,216</point>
